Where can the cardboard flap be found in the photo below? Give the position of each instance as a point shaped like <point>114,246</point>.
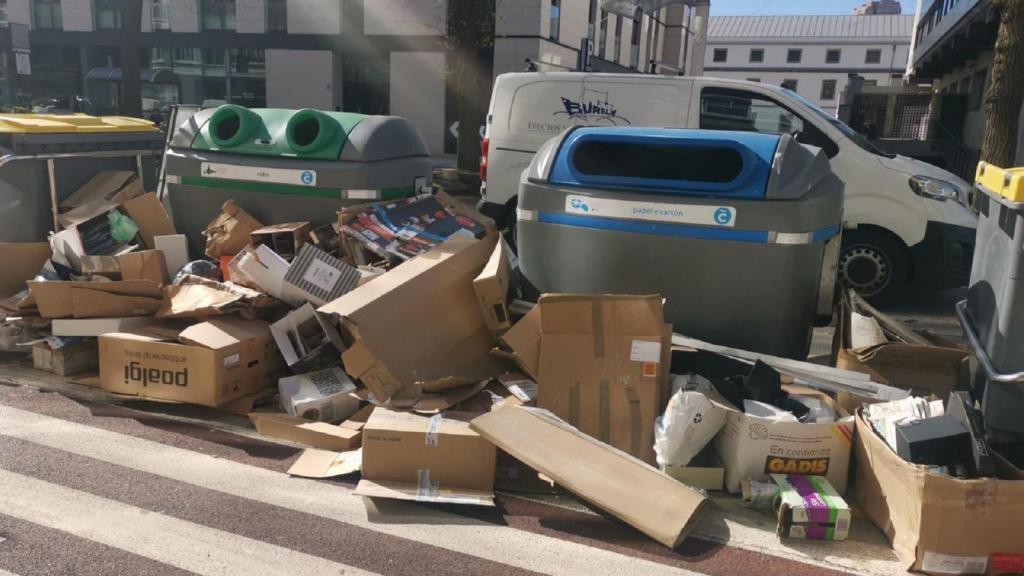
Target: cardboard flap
<point>96,299</point>
<point>441,495</point>
<point>314,463</point>
<point>195,301</point>
<point>152,219</point>
<point>523,339</point>
<point>607,314</point>
<point>105,186</point>
<point>222,333</point>
<point>638,494</point>
<point>21,262</point>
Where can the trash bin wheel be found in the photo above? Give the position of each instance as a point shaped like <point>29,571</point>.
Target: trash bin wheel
<point>874,264</point>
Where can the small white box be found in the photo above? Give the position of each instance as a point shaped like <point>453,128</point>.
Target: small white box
<point>325,395</point>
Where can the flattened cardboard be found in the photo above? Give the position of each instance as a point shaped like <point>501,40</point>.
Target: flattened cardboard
<point>211,363</point>
<point>107,266</point>
<point>143,265</point>
<point>228,233</point>
<point>753,448</point>
<point>492,289</point>
<point>419,323</point>
<point>147,211</point>
<point>314,463</point>
<point>96,326</point>
<point>625,487</point>
<point>523,339</point>
<point>197,297</point>
<point>940,524</point>
<point>67,360</point>
<point>21,262</point>
<point>337,438</point>
<point>105,186</point>
<point>602,366</point>
<point>96,299</point>
<point>427,459</point>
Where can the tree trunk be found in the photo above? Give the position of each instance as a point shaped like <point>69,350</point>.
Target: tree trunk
<point>131,52</point>
<point>469,108</point>
<point>1006,89</point>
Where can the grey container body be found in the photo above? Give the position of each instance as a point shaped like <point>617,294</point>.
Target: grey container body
<point>762,296</point>
<point>995,307</point>
<point>367,163</point>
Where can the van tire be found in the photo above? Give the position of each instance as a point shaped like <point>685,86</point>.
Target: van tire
<point>874,264</point>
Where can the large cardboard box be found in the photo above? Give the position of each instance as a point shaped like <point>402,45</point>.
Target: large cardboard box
<point>602,366</point>
<point>210,363</point>
<point>429,459</point>
<point>418,327</point>
<point>940,524</point>
<point>96,299</point>
<point>610,479</point>
<point>144,265</point>
<point>752,447</point>
<point>66,360</point>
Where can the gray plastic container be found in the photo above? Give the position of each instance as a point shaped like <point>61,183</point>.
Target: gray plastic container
<point>992,316</point>
<point>258,162</point>
<point>738,231</point>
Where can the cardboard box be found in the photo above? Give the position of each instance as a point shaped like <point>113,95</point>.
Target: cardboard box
<point>308,340</point>
<point>610,479</point>
<point>228,233</point>
<point>810,509</point>
<point>427,459</point>
<point>210,363</point>
<point>339,438</point>
<point>705,471</point>
<point>317,277</point>
<point>418,327</point>
<point>314,463</point>
<point>146,211</point>
<point>21,262</point>
<point>492,288</point>
<point>602,365</point>
<point>96,326</point>
<point>753,448</point>
<point>144,265</point>
<point>283,239</point>
<point>96,299</point>
<point>940,524</point>
<point>107,266</point>
<point>175,249</point>
<point>66,360</point>
<point>325,395</point>
<point>267,270</point>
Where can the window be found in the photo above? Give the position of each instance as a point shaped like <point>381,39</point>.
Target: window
<point>107,14</point>
<point>217,14</point>
<point>555,18</point>
<point>160,14</point>
<point>277,15</point>
<point>871,82</point>
<point>617,46</point>
<point>832,56</point>
<point>964,88</point>
<point>757,54</point>
<point>789,84</point>
<point>46,15</point>
<point>720,55</point>
<point>828,89</point>
<point>591,13</point>
<point>365,84</point>
<point>3,13</point>
<point>977,90</point>
<point>794,55</point>
<point>634,40</point>
<point>753,79</point>
<point>731,109</point>
<point>602,40</point>
<point>872,57</point>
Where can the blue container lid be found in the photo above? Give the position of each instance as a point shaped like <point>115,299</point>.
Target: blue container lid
<point>714,163</point>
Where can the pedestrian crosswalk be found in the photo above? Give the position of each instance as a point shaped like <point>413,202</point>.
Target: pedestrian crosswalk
<point>199,512</point>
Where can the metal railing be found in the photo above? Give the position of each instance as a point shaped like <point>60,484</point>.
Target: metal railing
<point>959,158</point>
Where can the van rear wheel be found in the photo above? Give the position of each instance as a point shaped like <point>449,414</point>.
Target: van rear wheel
<point>874,264</point>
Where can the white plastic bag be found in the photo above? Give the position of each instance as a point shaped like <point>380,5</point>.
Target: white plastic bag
<point>690,421</point>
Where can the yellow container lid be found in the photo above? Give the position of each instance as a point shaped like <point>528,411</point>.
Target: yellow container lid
<point>71,124</point>
<point>1005,182</point>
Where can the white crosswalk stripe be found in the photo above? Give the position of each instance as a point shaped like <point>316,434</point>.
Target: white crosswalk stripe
<point>405,520</point>
<point>188,546</point>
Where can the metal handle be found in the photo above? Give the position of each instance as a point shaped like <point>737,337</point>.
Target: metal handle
<point>979,351</point>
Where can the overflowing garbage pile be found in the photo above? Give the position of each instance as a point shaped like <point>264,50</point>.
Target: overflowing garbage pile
<point>393,345</point>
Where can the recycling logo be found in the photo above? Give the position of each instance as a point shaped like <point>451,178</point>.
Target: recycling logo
<point>307,177</point>
<point>723,216</point>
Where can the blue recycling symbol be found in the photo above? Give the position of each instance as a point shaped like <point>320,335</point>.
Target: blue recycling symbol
<point>306,177</point>
<point>723,216</point>
<point>578,204</point>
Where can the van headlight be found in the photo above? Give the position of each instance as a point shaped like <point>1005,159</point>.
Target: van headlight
<point>936,189</point>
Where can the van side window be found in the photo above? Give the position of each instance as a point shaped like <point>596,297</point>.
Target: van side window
<point>732,109</point>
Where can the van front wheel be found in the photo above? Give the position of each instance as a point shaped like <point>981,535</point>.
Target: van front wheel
<point>874,264</point>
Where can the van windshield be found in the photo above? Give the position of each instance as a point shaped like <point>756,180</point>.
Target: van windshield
<point>850,133</point>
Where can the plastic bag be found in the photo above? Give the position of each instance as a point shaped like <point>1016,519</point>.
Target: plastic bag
<point>690,421</point>
<point>122,228</point>
<point>202,268</point>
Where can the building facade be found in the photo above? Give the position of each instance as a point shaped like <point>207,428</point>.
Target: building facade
<point>812,55</point>
<point>878,7</point>
<point>953,49</point>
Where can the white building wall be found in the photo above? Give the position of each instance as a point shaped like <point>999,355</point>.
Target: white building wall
<point>76,15</point>
<point>418,92</point>
<point>19,12</point>
<point>510,54</point>
<point>250,17</point>
<point>519,17</point>
<point>405,17</point>
<point>573,27</point>
<point>300,79</point>
<point>184,16</point>
<point>314,16</point>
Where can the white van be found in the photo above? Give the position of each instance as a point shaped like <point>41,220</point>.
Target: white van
<point>907,222</point>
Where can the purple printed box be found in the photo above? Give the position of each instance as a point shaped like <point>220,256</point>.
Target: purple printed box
<point>810,508</point>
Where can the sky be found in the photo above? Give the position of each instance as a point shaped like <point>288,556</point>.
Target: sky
<point>791,7</point>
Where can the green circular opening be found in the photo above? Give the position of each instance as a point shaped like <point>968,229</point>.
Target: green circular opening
<point>310,130</point>
<point>231,125</point>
